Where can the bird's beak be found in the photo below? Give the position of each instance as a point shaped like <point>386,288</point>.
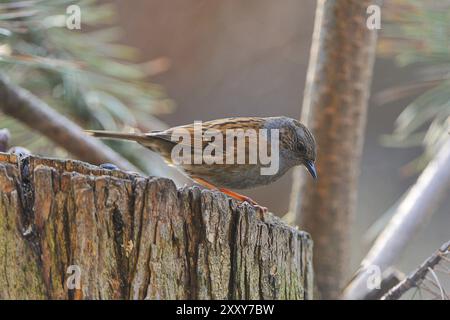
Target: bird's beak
<point>311,168</point>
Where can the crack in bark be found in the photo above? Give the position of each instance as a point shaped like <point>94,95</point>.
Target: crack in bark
<point>27,199</point>
<point>122,268</point>
<point>205,245</point>
<point>196,220</point>
<point>233,251</point>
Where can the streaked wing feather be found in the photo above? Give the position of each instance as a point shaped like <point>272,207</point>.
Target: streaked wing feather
<point>221,124</point>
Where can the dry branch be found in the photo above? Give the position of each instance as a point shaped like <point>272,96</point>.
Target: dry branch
<point>133,238</point>
<point>419,275</point>
<point>416,207</point>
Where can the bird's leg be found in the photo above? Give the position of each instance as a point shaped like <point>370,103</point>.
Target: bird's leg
<point>204,183</point>
<point>230,193</point>
<point>237,196</point>
<point>242,198</point>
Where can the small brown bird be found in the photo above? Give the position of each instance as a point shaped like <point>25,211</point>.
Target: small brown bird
<point>290,144</point>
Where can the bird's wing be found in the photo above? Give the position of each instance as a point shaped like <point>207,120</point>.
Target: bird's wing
<point>200,136</point>
<point>204,134</point>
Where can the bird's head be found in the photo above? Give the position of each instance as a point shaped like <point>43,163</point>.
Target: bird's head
<point>302,144</point>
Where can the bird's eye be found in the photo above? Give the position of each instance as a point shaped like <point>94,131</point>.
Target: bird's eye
<point>301,148</point>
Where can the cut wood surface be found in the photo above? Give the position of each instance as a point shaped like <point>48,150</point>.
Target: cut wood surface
<point>70,230</point>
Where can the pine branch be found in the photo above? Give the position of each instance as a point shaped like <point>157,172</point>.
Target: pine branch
<point>36,114</point>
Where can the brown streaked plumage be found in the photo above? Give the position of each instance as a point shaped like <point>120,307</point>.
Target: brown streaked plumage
<point>296,147</point>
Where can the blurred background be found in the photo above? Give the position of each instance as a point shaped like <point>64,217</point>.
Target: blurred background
<point>192,60</point>
<point>245,58</point>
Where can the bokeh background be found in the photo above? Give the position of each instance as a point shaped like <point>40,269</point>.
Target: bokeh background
<point>240,58</point>
<point>207,59</point>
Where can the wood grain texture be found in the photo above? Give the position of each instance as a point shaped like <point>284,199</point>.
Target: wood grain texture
<point>135,238</point>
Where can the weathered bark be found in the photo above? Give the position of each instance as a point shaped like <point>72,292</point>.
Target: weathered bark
<point>334,107</point>
<point>133,237</point>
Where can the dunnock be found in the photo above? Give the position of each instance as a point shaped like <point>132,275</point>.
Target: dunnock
<point>296,147</point>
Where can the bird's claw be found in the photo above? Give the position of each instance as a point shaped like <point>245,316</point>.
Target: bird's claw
<point>262,209</point>
<point>255,205</point>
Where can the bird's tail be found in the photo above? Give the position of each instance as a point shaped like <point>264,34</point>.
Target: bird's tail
<point>138,137</point>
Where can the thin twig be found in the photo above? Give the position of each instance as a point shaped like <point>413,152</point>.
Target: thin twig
<point>430,291</point>
<point>437,283</point>
<point>432,281</point>
<point>418,275</point>
<point>415,292</point>
<point>417,206</point>
<point>442,269</point>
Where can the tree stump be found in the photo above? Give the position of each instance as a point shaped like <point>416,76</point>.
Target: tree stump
<point>70,230</point>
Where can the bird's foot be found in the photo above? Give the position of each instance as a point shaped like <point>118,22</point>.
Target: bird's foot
<point>243,198</point>
<point>232,194</point>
